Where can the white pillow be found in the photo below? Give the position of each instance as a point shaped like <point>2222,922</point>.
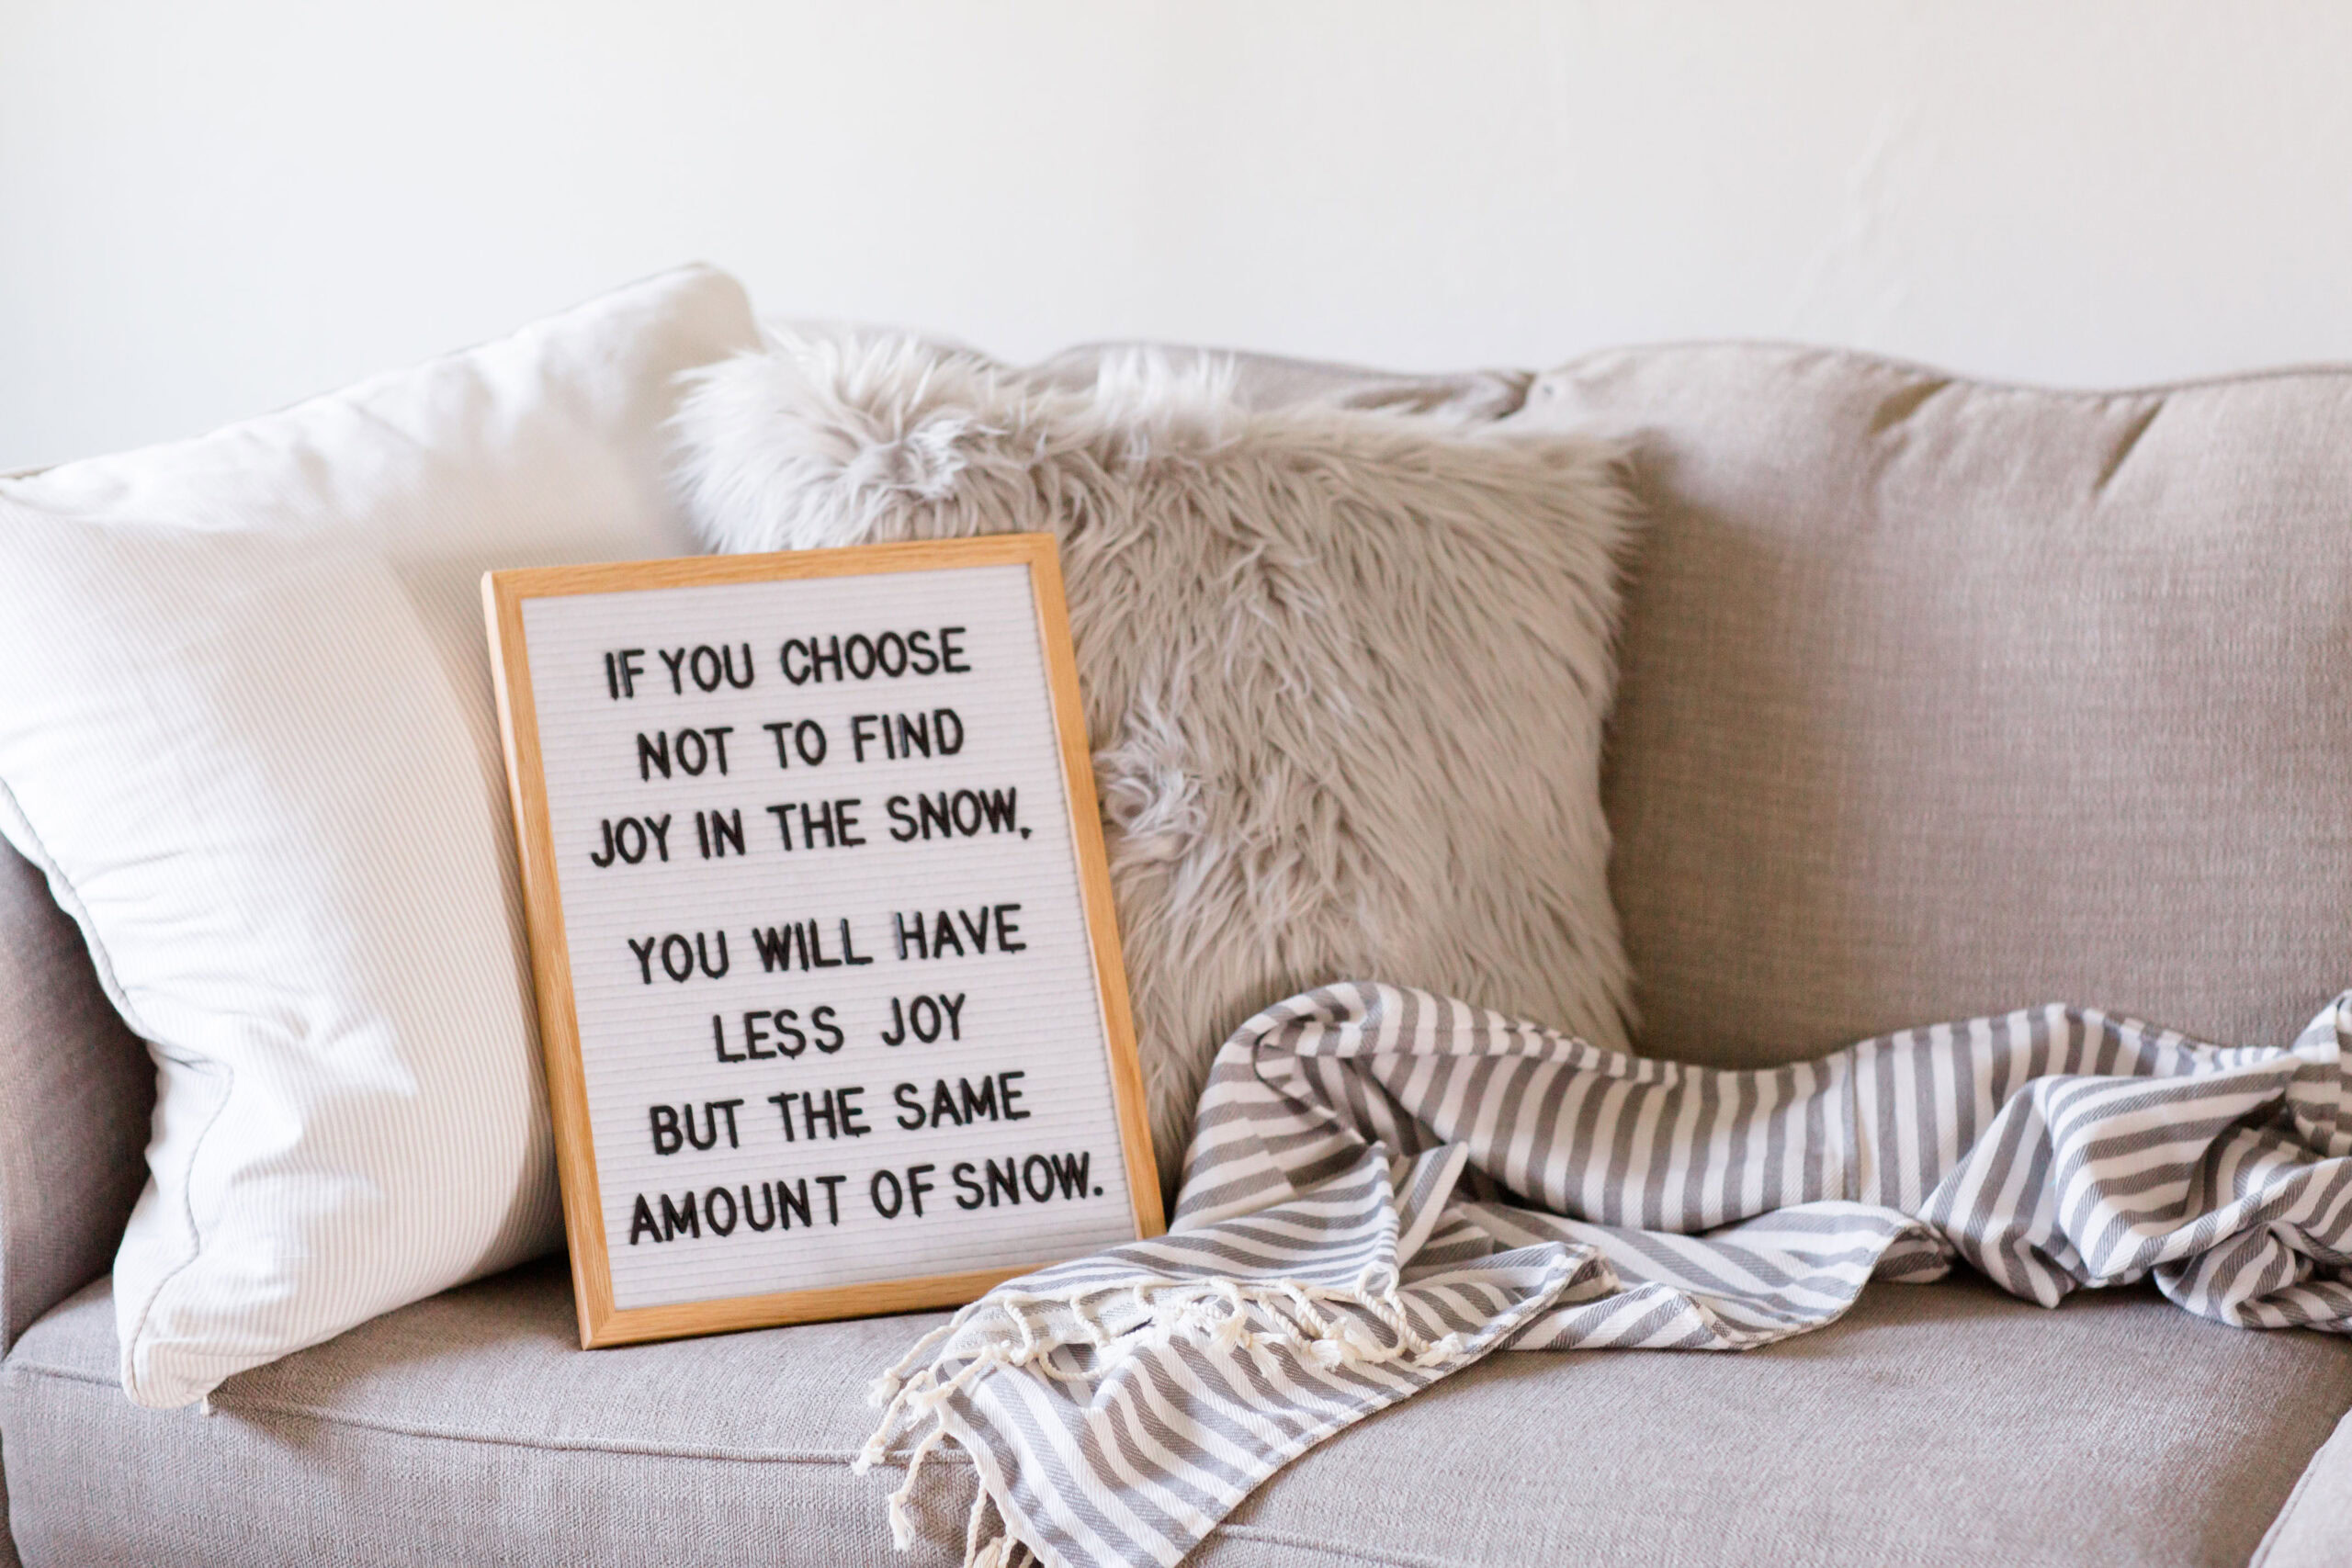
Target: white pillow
<point>246,727</point>
<point>1345,670</point>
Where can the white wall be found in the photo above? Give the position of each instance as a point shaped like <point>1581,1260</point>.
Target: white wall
<point>206,210</point>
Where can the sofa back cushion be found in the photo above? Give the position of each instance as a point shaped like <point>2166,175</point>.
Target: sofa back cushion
<point>1942,698</point>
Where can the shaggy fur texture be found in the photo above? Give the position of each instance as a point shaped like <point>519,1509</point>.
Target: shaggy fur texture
<point>1345,671</point>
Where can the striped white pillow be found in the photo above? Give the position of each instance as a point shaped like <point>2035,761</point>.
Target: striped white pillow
<point>246,726</point>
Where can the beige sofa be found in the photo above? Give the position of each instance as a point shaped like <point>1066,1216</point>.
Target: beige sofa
<point>1940,698</point>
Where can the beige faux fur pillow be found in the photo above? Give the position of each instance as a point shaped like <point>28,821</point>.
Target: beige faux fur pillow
<point>1345,671</point>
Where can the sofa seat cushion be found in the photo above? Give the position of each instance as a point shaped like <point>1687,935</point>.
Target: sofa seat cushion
<point>1943,1424</point>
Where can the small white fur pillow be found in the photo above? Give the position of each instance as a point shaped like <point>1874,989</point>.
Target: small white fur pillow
<point>1345,671</point>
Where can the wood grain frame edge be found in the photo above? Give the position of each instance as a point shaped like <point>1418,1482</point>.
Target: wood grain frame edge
<point>558,1019</point>
<point>1127,1093</point>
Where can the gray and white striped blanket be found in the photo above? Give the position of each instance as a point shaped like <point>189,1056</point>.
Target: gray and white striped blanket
<point>1385,1184</point>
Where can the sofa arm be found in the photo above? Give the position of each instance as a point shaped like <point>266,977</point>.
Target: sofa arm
<point>77,1088</point>
<point>2315,1530</point>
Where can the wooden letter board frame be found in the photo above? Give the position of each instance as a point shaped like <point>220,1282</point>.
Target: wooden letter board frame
<point>503,593</point>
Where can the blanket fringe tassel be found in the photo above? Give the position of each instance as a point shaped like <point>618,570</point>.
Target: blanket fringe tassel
<point>1214,1312</point>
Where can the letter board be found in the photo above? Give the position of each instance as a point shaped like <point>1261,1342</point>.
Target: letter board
<point>828,983</point>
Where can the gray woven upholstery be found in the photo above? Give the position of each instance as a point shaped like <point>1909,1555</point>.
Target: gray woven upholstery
<point>1940,699</point>
<point>1937,1424</point>
<point>75,1089</point>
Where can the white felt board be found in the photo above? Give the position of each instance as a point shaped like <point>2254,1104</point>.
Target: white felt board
<point>839,1018</point>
